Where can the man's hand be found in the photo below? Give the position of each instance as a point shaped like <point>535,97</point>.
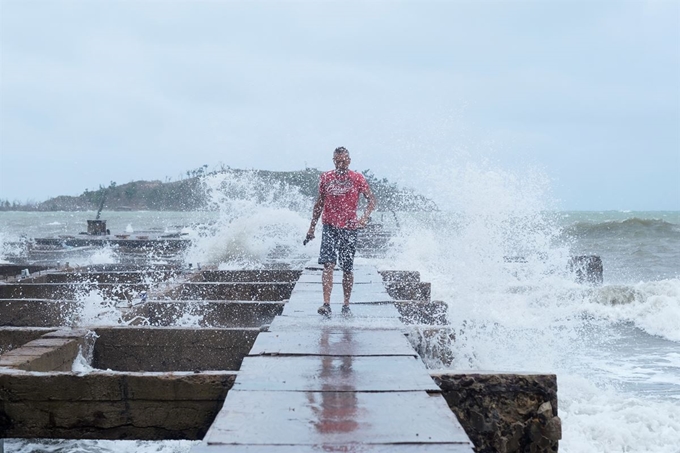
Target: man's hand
<point>363,222</point>
<point>310,235</point>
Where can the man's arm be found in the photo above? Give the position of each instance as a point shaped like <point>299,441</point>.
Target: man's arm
<point>369,209</point>
<point>316,213</point>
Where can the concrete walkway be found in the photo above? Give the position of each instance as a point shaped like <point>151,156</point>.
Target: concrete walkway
<point>355,384</point>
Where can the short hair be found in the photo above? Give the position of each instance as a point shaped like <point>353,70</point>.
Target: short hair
<point>340,150</point>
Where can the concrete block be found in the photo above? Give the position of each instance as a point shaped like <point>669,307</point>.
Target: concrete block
<point>171,349</point>
<point>58,356</point>
<point>400,276</point>
<point>250,276</point>
<point>210,313</point>
<point>409,290</point>
<point>102,405</point>
<point>230,291</point>
<point>15,337</point>
<point>419,312</point>
<point>37,312</point>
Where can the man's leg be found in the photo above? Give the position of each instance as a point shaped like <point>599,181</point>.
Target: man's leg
<point>347,284</point>
<point>327,282</point>
<point>327,258</point>
<point>347,248</point>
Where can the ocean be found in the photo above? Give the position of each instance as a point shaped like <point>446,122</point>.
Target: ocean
<point>615,347</point>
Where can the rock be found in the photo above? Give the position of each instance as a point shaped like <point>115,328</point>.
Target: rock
<point>544,411</point>
<point>480,423</point>
<point>553,429</point>
<point>535,430</point>
<point>513,443</point>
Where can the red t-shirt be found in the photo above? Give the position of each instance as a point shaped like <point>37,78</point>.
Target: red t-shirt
<point>341,192</point>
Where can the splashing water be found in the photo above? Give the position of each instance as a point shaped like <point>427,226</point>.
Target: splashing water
<point>12,247</point>
<point>95,309</point>
<point>498,256</point>
<point>258,219</point>
<point>83,361</point>
<point>98,446</point>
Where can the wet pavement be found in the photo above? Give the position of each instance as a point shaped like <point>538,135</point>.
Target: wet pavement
<point>340,384</point>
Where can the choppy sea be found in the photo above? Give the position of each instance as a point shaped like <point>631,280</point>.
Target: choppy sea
<point>614,347</point>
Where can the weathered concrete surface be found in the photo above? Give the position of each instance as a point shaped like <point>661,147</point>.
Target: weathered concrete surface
<point>353,447</point>
<point>335,421</point>
<point>250,276</point>
<point>158,275</point>
<point>165,244</point>
<point>13,270</point>
<point>101,405</point>
<point>329,384</point>
<point>37,312</point>
<point>171,349</point>
<point>419,312</point>
<point>121,291</point>
<point>123,267</point>
<point>54,351</point>
<point>209,313</point>
<point>400,276</point>
<point>273,291</point>
<point>498,412</point>
<point>14,337</point>
<point>42,355</point>
<point>55,313</point>
<point>76,276</point>
<point>409,291</point>
<point>504,412</point>
<point>406,285</point>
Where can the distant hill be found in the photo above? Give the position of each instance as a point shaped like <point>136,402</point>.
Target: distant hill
<point>190,195</point>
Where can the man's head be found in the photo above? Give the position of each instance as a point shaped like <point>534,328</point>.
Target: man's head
<point>341,159</point>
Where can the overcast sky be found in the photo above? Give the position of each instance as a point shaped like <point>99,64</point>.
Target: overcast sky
<point>587,92</point>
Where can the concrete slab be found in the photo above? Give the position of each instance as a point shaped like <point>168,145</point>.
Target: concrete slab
<point>334,418</point>
<point>171,349</point>
<point>358,297</point>
<point>328,373</point>
<point>358,310</point>
<point>332,343</point>
<point>315,279</point>
<point>290,323</point>
<point>355,447</point>
<point>109,405</point>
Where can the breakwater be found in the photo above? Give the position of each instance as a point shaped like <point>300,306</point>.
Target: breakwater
<point>146,369</point>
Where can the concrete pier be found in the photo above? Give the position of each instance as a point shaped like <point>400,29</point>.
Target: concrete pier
<point>339,384</point>
<point>264,373</point>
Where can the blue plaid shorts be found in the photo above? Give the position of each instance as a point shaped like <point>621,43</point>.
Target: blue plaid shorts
<point>338,244</point>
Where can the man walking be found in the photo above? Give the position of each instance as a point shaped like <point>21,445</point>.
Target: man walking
<point>338,198</point>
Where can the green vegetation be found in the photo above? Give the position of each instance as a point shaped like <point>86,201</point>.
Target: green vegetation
<point>190,195</point>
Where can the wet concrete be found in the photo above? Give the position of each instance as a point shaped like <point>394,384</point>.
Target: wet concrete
<point>161,313</point>
<point>274,291</point>
<point>208,313</point>
<point>156,245</point>
<point>109,405</point>
<point>14,337</point>
<point>54,351</point>
<point>128,277</point>
<point>127,291</point>
<point>71,291</point>
<point>264,275</point>
<point>37,312</point>
<point>171,349</point>
<point>307,384</point>
<point>335,384</point>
